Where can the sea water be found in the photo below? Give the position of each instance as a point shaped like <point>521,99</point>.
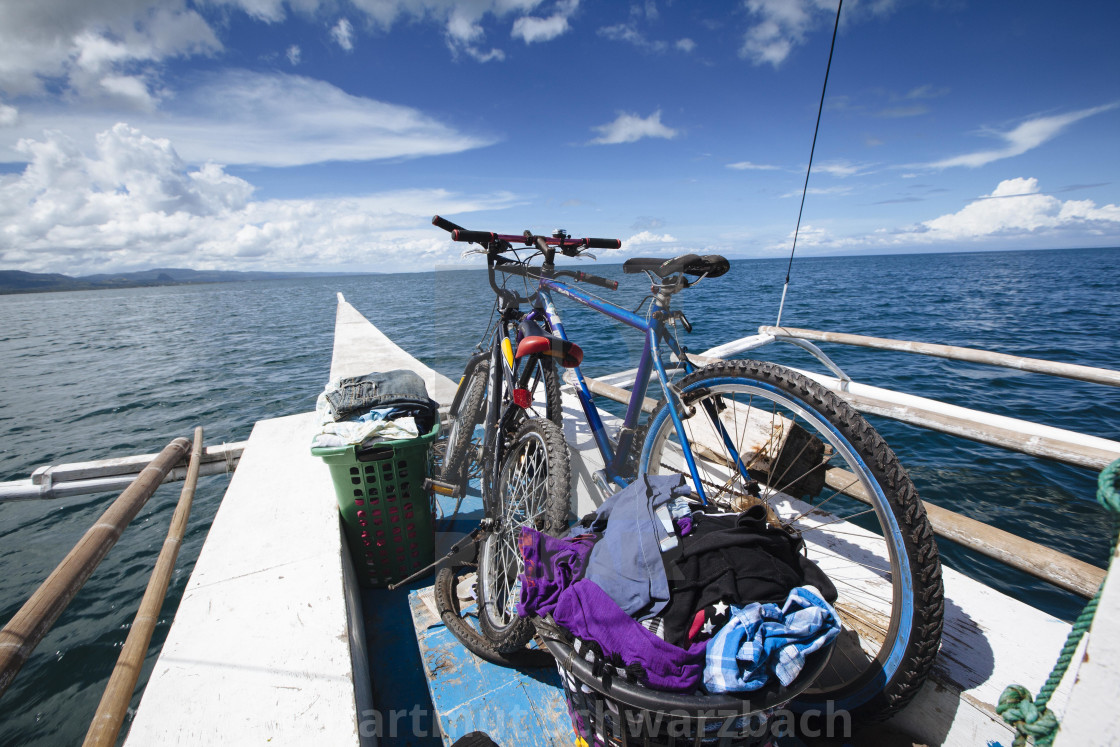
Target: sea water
<point>98,374</point>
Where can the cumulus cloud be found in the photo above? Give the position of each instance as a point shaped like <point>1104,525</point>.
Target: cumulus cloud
<point>779,26</point>
<point>277,119</point>
<point>533,29</point>
<point>89,47</point>
<point>685,45</point>
<point>9,115</point>
<point>646,238</point>
<point>628,128</point>
<point>530,29</point>
<point>1015,213</point>
<point>1017,206</point>
<point>1022,138</point>
<point>93,47</point>
<point>132,203</point>
<point>343,34</point>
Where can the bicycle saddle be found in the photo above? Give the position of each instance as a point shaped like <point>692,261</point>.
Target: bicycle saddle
<point>533,339</point>
<point>711,265</point>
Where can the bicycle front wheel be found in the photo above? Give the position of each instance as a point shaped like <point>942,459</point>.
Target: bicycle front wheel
<point>760,433</point>
<point>531,491</point>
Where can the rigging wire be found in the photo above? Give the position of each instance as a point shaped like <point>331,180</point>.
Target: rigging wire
<point>812,149</point>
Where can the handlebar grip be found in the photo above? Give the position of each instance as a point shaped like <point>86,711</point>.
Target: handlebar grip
<point>477,237</point>
<point>445,224</point>
<point>584,277</point>
<point>603,244</point>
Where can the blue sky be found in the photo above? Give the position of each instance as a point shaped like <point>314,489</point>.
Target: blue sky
<point>322,135</point>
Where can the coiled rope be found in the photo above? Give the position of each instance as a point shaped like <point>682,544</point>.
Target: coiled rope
<point>1031,718</point>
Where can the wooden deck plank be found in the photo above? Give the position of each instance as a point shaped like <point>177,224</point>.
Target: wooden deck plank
<point>518,708</point>
<point>361,348</point>
<point>259,651</point>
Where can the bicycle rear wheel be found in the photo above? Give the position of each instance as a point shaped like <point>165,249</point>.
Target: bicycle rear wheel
<point>461,459</point>
<point>531,490</point>
<point>456,599</point>
<point>824,473</point>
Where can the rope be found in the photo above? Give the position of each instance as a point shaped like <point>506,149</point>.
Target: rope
<point>812,149</point>
<point>1031,718</point>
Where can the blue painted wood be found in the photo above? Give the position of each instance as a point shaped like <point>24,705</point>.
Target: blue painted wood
<point>403,713</point>
<point>514,706</point>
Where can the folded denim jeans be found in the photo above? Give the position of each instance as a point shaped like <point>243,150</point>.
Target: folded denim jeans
<point>359,394</point>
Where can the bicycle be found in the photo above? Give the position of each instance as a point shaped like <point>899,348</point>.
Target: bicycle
<point>749,432</point>
<point>511,398</point>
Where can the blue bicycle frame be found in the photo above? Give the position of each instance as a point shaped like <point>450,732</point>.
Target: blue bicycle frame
<point>654,331</point>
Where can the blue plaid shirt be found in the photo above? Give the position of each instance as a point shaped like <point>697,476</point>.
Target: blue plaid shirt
<point>765,639</point>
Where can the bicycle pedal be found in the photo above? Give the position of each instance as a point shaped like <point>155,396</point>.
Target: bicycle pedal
<point>447,489</point>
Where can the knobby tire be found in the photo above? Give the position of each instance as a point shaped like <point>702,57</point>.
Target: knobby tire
<point>874,670</point>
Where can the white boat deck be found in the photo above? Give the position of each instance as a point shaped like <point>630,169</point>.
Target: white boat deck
<point>264,651</point>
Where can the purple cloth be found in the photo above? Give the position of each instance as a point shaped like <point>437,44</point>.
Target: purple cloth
<point>587,612</point>
<point>551,565</point>
<point>684,525</point>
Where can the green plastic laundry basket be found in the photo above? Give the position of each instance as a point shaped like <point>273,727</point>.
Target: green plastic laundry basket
<point>385,510</point>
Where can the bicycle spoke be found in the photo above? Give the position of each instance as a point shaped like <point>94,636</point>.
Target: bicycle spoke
<point>836,520</point>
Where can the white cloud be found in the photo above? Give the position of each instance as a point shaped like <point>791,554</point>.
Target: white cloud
<point>242,117</point>
<point>778,26</point>
<point>629,33</point>
<point>79,42</point>
<point>530,29</point>
<point>343,34</point>
<point>822,191</point>
<point>86,44</point>
<point>293,54</point>
<point>781,25</point>
<point>9,115</point>
<point>132,203</point>
<point>685,45</point>
<point>1016,214</point>
<point>628,128</point>
<point>1017,206</point>
<point>841,168</point>
<point>1022,138</point>
<point>749,166</point>
<point>646,238</point>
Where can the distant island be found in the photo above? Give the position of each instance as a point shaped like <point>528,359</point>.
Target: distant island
<point>16,281</point>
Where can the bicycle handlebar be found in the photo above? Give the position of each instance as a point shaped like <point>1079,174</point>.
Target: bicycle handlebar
<point>602,243</point>
<point>445,224</point>
<point>486,237</point>
<point>474,237</point>
<point>568,246</point>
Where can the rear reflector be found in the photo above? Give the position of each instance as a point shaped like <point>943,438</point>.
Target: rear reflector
<point>521,398</point>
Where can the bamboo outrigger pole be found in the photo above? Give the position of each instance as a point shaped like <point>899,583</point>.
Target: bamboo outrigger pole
<point>24,631</point>
<point>106,724</point>
<point>954,352</point>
